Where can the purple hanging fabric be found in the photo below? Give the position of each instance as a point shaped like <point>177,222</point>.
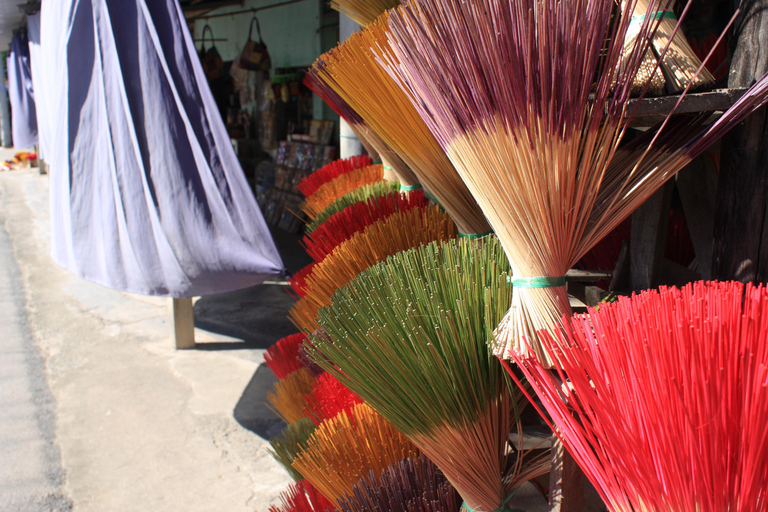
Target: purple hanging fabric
<point>147,195</point>
<point>21,94</point>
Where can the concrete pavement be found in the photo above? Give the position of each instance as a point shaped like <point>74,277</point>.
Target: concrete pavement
<point>138,425</point>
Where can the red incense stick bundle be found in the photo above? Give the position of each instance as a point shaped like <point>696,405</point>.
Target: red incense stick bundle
<point>665,404</point>
<point>283,357</point>
<point>302,497</point>
<point>298,281</point>
<point>329,172</point>
<point>328,398</point>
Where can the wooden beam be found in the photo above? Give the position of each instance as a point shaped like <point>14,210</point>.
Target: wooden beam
<point>711,101</point>
<point>184,323</point>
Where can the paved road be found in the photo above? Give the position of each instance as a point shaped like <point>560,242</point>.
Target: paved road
<point>31,475</point>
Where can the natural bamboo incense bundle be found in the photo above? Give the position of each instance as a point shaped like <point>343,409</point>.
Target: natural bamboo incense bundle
<point>409,336</point>
<point>666,402</point>
<point>389,158</point>
<point>679,62</point>
<point>363,11</point>
<point>331,171</point>
<point>283,357</point>
<point>289,442</point>
<point>535,142</point>
<point>298,281</point>
<point>302,497</point>
<point>383,238</point>
<point>353,219</point>
<point>346,448</point>
<point>336,188</point>
<point>328,398</point>
<point>287,397</point>
<point>356,196</point>
<point>353,72</point>
<point>409,485</point>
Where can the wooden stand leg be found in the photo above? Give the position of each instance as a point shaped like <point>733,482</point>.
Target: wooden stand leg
<point>566,481</point>
<point>184,323</point>
<point>649,234</point>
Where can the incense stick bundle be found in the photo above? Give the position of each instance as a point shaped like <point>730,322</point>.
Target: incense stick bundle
<point>283,357</point>
<point>516,112</point>
<point>353,219</point>
<point>679,62</point>
<point>356,196</point>
<point>302,497</point>
<point>331,171</point>
<point>328,398</point>
<point>389,157</point>
<point>409,485</point>
<point>290,442</point>
<point>298,281</point>
<point>287,397</point>
<point>667,398</point>
<point>383,238</point>
<point>346,448</point>
<point>352,71</point>
<point>363,11</point>
<point>423,363</point>
<point>338,187</point>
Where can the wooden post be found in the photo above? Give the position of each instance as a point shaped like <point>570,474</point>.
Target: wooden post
<point>741,244</point>
<point>184,323</point>
<point>566,481</point>
<point>697,185</point>
<point>649,234</point>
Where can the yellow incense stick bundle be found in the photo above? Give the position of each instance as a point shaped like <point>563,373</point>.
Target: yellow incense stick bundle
<point>385,237</point>
<point>287,400</point>
<point>337,187</point>
<point>346,448</point>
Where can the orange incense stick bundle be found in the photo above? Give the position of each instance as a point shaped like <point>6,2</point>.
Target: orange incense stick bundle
<point>344,449</point>
<point>337,187</point>
<point>665,403</point>
<point>331,171</point>
<point>287,397</point>
<point>363,11</point>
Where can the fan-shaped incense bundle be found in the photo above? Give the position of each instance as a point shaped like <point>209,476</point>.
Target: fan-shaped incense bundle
<point>409,336</point>
<point>409,485</point>
<point>298,281</point>
<point>667,398</point>
<point>331,171</point>
<point>363,11</point>
<point>353,219</point>
<point>356,196</point>
<point>336,188</point>
<point>328,398</point>
<point>353,73</point>
<point>346,448</point>
<point>289,442</point>
<point>517,114</point>
<point>287,397</point>
<point>398,232</point>
<point>282,357</point>
<point>678,60</point>
<point>302,497</point>
<point>305,360</point>
<point>389,158</point>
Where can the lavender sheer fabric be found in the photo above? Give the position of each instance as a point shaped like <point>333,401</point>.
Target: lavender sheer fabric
<point>21,94</point>
<point>147,195</point>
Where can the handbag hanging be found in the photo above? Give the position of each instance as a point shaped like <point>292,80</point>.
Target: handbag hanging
<point>255,56</point>
<point>211,59</point>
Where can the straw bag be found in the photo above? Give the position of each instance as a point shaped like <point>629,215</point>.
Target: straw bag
<point>212,61</point>
<point>255,56</point>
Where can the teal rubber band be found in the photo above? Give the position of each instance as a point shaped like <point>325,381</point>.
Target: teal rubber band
<point>377,162</point>
<point>348,137</point>
<point>408,188</point>
<point>475,236</point>
<point>537,282</point>
<point>502,508</point>
<point>433,199</point>
<point>388,168</point>
<point>658,15</point>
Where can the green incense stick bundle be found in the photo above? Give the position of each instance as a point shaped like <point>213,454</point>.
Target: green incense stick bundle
<point>288,443</point>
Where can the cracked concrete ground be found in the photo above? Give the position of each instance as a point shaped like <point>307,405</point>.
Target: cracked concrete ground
<point>139,425</point>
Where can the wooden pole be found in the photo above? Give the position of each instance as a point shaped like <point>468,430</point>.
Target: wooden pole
<point>184,323</point>
<point>566,481</point>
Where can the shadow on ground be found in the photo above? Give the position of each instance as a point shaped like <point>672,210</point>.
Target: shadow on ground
<point>251,411</point>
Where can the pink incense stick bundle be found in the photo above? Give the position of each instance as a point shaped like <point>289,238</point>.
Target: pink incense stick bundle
<point>283,357</point>
<point>343,225</point>
<point>665,404</point>
<point>329,397</point>
<point>302,497</point>
<point>326,173</point>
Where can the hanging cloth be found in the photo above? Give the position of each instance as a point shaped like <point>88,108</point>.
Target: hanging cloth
<point>36,59</point>
<point>21,93</point>
<point>147,195</point>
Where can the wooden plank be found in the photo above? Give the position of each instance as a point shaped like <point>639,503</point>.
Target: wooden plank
<point>184,323</point>
<point>697,185</point>
<point>566,481</point>
<point>741,247</point>
<point>649,233</point>
<point>715,100</point>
